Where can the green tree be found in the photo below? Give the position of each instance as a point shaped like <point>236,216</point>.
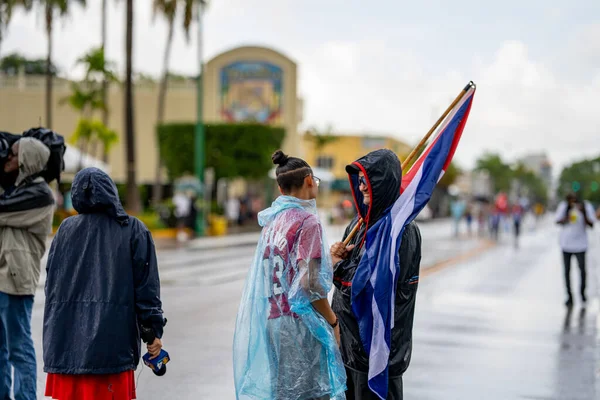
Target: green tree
<point>13,63</point>
<point>500,172</point>
<point>87,98</point>
<point>506,177</point>
<point>99,73</point>
<point>89,131</point>
<point>6,9</point>
<point>582,177</point>
<point>105,79</point>
<point>236,150</point>
<point>450,176</point>
<point>107,137</point>
<point>133,194</point>
<point>50,9</point>
<point>168,9</point>
<point>531,184</point>
<point>321,139</point>
<point>97,68</point>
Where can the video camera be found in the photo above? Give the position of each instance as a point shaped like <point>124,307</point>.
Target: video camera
<point>52,140</point>
<point>158,365</point>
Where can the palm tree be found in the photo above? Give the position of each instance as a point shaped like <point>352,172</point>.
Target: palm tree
<point>6,10</point>
<point>50,7</point>
<point>104,81</point>
<point>321,139</point>
<point>99,72</point>
<point>133,195</point>
<point>168,8</point>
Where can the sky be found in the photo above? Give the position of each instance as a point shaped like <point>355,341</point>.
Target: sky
<point>387,66</point>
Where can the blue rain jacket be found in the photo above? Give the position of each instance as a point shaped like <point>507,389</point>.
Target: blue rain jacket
<point>102,282</point>
<point>283,348</point>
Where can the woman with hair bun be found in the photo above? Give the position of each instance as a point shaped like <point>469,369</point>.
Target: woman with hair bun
<point>286,344</point>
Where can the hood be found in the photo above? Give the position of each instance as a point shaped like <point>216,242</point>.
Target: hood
<point>283,203</point>
<point>93,192</point>
<point>383,173</point>
<point>33,157</point>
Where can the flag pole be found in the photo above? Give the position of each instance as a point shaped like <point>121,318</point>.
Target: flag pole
<point>414,151</point>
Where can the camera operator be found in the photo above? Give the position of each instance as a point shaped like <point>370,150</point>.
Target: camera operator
<point>26,209</point>
<point>574,216</point>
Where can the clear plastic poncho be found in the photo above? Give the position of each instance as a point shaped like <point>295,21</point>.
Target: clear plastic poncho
<point>283,349</point>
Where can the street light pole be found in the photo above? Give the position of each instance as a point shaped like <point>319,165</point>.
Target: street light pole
<point>199,136</point>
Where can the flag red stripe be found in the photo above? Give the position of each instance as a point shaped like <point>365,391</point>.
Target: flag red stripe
<point>458,133</point>
<point>415,168</point>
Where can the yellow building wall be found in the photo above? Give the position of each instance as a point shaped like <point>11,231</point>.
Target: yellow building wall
<point>22,106</point>
<point>348,148</point>
<point>343,151</point>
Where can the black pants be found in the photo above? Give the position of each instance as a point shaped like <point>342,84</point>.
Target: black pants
<point>581,262</point>
<point>358,387</point>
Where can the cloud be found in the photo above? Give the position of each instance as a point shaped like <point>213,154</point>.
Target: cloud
<point>586,45</point>
<point>521,105</point>
<point>386,72</point>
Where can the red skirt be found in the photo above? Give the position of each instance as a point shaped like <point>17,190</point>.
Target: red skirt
<point>91,387</point>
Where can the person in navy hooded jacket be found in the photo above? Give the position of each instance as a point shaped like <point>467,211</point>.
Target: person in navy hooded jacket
<point>102,285</point>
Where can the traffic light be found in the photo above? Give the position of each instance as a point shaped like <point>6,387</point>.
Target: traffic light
<point>576,186</point>
<point>594,186</point>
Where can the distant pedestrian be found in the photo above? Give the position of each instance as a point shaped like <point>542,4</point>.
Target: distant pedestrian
<point>481,219</point>
<point>102,286</point>
<point>469,219</point>
<point>517,217</point>
<point>183,210</point>
<point>193,216</point>
<point>457,209</point>
<point>494,223</point>
<point>232,210</point>
<point>575,216</point>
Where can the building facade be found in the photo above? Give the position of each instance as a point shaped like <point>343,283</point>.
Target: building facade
<point>343,150</point>
<point>540,164</point>
<point>244,84</point>
<point>254,84</point>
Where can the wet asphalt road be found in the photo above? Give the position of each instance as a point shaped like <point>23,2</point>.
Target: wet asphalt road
<point>490,324</point>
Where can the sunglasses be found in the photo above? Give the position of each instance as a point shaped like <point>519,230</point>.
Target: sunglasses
<point>317,180</point>
<point>362,181</point>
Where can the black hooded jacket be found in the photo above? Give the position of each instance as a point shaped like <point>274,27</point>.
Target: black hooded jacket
<point>383,174</point>
<point>102,283</point>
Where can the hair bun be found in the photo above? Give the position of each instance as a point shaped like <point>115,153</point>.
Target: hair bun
<point>279,158</point>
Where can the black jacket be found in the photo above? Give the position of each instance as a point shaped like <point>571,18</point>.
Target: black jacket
<point>102,283</point>
<point>383,172</point>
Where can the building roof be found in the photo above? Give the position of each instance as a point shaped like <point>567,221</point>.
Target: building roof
<point>366,134</point>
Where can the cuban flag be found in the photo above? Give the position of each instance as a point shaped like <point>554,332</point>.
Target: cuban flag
<point>374,285</point>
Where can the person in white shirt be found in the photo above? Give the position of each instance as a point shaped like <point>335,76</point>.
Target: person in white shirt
<point>575,217</point>
<point>233,210</point>
<point>183,209</point>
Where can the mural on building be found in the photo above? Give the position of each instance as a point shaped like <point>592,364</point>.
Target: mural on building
<point>251,92</point>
